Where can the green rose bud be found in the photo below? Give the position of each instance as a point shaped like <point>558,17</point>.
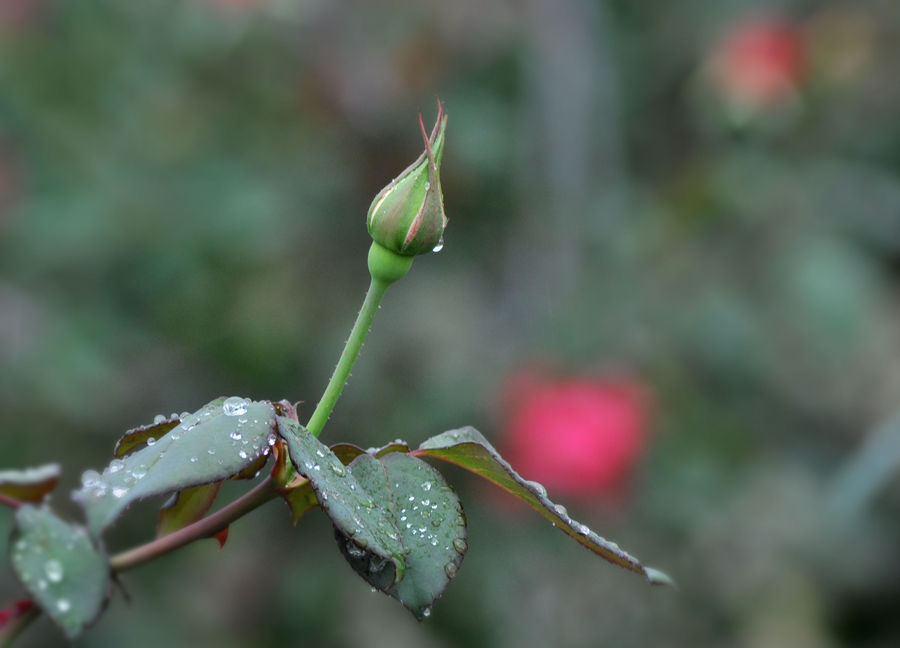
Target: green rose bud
<point>407,216</point>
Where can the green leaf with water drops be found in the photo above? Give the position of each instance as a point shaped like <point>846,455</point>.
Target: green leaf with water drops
<point>62,569</point>
<point>366,527</point>
<point>214,443</point>
<point>29,485</point>
<point>466,447</point>
<point>186,507</point>
<point>430,519</point>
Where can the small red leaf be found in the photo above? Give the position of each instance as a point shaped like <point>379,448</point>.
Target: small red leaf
<point>18,608</point>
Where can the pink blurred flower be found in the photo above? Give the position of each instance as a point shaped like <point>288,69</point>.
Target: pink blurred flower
<point>759,63</point>
<point>579,437</point>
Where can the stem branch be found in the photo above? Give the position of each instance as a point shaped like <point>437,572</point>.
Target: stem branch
<point>208,526</point>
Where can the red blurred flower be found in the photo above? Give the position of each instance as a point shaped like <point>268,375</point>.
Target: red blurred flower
<point>759,63</point>
<point>579,437</point>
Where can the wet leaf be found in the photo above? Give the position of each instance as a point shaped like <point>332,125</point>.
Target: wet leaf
<point>137,438</point>
<point>215,443</point>
<point>62,569</point>
<point>467,448</point>
<point>186,507</point>
<point>430,520</point>
<point>31,484</point>
<point>368,530</point>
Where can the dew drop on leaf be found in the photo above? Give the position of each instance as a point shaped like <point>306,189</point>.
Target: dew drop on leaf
<point>54,571</point>
<point>235,406</point>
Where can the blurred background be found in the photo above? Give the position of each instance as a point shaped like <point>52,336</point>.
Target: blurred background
<point>673,261</point>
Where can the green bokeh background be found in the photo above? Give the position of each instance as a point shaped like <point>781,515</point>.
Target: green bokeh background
<point>183,188</point>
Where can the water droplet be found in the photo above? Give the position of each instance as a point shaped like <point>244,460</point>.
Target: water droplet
<point>159,418</point>
<point>538,487</point>
<point>362,542</point>
<point>140,472</point>
<point>193,459</point>
<point>440,246</point>
<point>426,486</point>
<point>426,612</point>
<point>54,571</point>
<point>235,406</point>
<point>460,545</point>
<point>271,440</point>
<point>319,453</point>
<point>211,451</point>
<point>63,605</point>
<point>115,466</point>
<point>583,529</point>
<point>235,435</point>
<point>373,590</point>
<point>90,478</point>
<point>337,469</point>
<point>119,491</point>
<point>559,508</point>
<point>451,569</point>
<point>242,454</point>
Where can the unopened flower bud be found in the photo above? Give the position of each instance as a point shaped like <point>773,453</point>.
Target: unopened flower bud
<point>407,216</point>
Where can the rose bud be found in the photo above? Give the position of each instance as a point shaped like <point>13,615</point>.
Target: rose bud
<point>407,216</point>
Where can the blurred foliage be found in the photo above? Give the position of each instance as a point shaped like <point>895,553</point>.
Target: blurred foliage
<point>183,186</point>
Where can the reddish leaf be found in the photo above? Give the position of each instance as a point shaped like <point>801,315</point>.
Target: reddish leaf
<point>467,448</point>
<point>137,438</point>
<point>186,507</point>
<point>30,485</point>
<point>18,609</point>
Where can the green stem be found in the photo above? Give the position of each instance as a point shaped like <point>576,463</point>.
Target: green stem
<point>363,323</point>
<point>208,526</point>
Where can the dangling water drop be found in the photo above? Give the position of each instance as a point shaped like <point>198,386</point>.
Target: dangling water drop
<point>440,246</point>
<point>235,406</point>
